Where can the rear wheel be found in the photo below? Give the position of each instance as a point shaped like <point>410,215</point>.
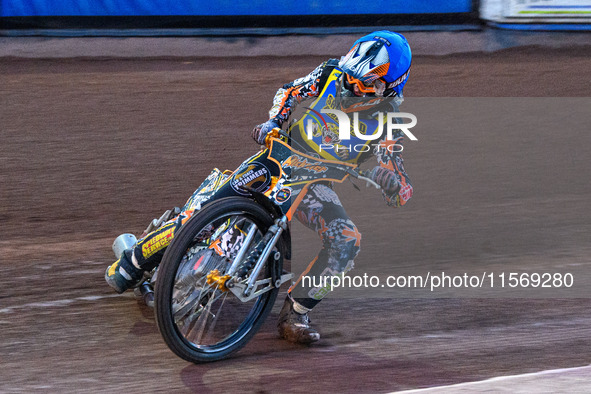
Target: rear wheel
<point>203,321</point>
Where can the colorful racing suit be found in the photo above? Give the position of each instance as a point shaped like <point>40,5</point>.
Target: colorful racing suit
<point>321,209</point>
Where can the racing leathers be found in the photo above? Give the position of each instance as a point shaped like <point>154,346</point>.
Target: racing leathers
<point>321,209</point>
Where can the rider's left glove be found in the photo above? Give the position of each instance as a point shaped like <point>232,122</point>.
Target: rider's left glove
<point>386,178</point>
<point>259,133</point>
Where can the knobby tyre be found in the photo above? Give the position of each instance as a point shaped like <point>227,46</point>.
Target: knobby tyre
<point>198,321</point>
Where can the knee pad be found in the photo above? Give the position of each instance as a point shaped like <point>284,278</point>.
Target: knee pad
<point>342,242</point>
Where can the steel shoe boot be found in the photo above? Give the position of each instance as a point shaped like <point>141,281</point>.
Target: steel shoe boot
<point>122,274</point>
<point>295,327</point>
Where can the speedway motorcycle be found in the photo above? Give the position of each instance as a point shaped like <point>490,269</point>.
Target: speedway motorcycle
<point>220,275</point>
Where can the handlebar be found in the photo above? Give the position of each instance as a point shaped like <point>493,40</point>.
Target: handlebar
<point>363,176</point>
<point>355,173</point>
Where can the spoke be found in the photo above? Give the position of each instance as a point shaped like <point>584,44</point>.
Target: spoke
<point>215,318</point>
<point>194,319</point>
<point>204,317</point>
<point>199,315</point>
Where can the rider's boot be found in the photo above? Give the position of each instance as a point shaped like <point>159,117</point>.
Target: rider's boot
<point>123,274</point>
<point>294,326</point>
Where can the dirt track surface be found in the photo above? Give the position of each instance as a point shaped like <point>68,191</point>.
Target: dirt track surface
<point>91,149</point>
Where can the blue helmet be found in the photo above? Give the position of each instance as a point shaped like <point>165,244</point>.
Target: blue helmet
<point>378,63</point>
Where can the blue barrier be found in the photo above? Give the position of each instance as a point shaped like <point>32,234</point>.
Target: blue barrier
<point>23,8</point>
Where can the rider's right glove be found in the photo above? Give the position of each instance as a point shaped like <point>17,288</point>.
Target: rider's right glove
<point>259,133</point>
<point>386,178</point>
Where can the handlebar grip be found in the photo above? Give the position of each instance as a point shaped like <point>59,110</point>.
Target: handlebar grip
<point>364,176</point>
<point>369,182</point>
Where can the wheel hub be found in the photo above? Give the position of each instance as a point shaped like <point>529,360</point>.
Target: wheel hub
<point>214,277</point>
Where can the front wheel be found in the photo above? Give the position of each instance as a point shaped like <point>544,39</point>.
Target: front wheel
<point>203,321</point>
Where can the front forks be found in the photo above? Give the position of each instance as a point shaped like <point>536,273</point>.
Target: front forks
<point>255,260</point>
<point>275,230</point>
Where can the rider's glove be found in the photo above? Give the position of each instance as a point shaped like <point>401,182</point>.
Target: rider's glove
<point>386,178</point>
<point>259,133</point>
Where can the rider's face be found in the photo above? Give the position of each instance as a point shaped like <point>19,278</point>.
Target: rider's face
<point>358,92</point>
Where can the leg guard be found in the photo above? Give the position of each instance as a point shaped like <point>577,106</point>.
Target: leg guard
<point>322,211</point>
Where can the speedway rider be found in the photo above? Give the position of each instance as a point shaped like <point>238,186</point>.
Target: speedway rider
<point>377,65</point>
